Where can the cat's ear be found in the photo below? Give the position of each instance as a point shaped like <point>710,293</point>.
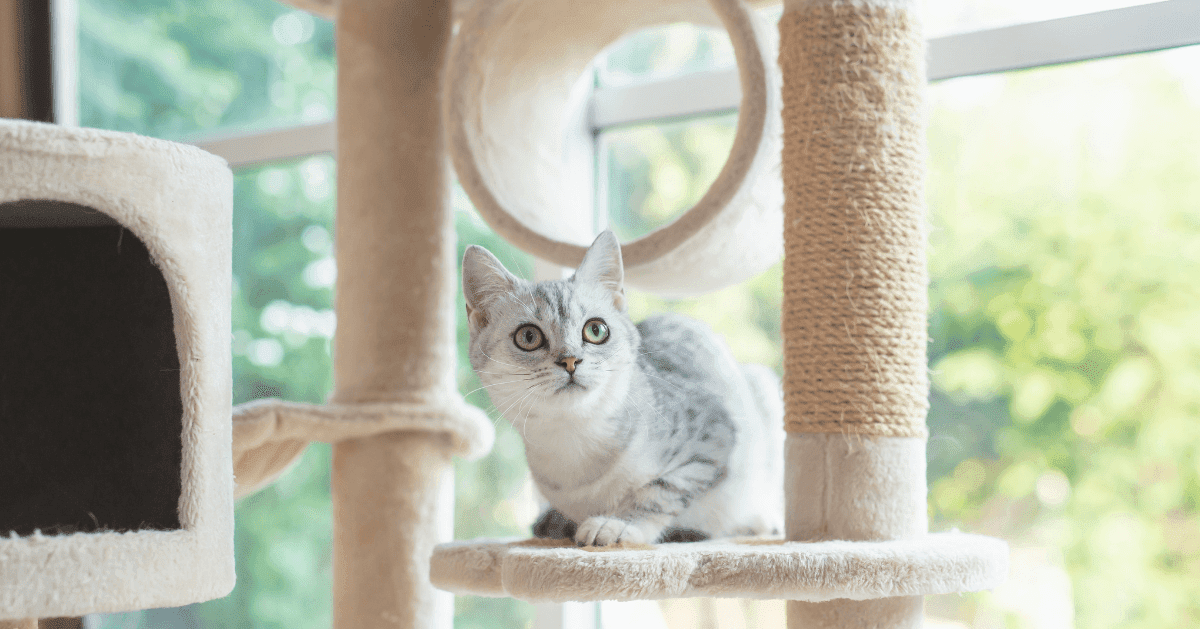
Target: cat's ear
<point>602,265</point>
<point>483,279</point>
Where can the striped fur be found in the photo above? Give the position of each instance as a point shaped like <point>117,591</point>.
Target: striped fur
<point>656,434</point>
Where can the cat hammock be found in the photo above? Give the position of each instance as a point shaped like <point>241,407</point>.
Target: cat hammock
<point>115,483</point>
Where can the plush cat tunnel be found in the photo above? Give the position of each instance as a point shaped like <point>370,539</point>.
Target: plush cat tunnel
<point>115,476</point>
<point>516,93</point>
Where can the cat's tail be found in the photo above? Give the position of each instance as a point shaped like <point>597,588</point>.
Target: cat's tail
<point>767,393</point>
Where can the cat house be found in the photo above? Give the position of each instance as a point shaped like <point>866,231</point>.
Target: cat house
<point>115,475</point>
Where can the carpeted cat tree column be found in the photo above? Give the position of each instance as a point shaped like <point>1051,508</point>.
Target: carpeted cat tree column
<point>854,309</point>
<point>395,416</point>
<point>395,338</point>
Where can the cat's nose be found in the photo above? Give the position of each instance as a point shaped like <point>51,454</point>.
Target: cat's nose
<point>569,363</point>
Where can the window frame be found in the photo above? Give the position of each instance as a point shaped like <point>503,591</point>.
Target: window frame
<point>1116,32</point>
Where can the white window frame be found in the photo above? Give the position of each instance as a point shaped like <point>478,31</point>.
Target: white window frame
<point>1125,31</point>
<point>1131,30</point>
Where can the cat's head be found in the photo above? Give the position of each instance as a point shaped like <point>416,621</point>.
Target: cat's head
<point>560,346</point>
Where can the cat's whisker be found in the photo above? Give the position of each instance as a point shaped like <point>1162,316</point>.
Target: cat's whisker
<point>528,390</point>
<point>639,398</point>
<point>525,420</point>
<point>495,384</point>
<point>519,395</point>
<point>497,361</point>
<point>677,387</point>
<point>527,394</point>
<point>614,355</point>
<point>498,373</point>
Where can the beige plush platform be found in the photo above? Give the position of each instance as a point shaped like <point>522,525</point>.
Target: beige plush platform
<point>557,571</point>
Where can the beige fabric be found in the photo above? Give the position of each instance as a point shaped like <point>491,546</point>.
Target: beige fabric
<point>26,623</point>
<point>178,201</point>
<point>904,612</point>
<point>934,564</point>
<point>270,435</point>
<point>385,531</point>
<point>395,341</point>
<point>854,487</point>
<point>855,302</point>
<point>516,74</point>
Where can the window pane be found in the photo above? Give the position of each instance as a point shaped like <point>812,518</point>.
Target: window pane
<point>947,17</point>
<point>665,51</point>
<point>173,68</point>
<point>1064,355</point>
<point>658,171</point>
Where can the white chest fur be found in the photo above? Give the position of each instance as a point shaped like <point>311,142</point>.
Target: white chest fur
<point>587,468</point>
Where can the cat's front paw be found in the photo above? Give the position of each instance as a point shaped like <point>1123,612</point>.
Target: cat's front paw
<point>601,531</point>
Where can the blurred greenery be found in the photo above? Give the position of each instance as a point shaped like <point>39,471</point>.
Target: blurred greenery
<point>172,68</point>
<point>1065,357</point>
<point>664,51</point>
<point>1064,354</point>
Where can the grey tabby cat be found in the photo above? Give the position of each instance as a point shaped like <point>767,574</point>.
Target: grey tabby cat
<point>634,433</point>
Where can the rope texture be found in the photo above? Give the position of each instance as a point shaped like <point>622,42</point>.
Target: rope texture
<point>855,279</point>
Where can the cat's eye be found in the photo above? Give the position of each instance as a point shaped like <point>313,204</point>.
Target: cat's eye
<point>595,331</point>
<point>529,337</point>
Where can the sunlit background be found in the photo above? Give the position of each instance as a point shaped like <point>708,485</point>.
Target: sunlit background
<point>1065,310</point>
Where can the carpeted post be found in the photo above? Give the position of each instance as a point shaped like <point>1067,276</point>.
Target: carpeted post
<point>395,303</point>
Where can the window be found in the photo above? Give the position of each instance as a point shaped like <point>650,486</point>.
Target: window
<point>1064,242</point>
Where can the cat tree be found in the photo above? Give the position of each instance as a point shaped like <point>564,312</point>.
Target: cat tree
<point>854,321</point>
<point>850,109</point>
<point>115,481</point>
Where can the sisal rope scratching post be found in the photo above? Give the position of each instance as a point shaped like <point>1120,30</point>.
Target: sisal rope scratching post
<point>855,279</point>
